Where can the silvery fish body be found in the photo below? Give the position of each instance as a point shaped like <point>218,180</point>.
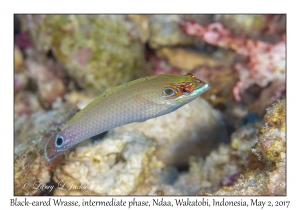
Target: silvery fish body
<point>135,101</point>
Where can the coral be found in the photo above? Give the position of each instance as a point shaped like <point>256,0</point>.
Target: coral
<point>271,149</point>
<point>264,62</point>
<point>250,183</point>
<point>242,142</point>
<point>244,138</point>
<point>272,142</point>
<point>253,183</point>
<point>203,128</point>
<point>115,166</point>
<point>98,51</point>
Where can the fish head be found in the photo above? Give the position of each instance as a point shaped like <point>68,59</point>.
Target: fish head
<point>182,89</point>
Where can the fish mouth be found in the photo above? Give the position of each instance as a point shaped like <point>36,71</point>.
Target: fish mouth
<point>201,89</point>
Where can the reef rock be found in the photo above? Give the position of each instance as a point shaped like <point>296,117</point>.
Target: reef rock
<point>115,166</point>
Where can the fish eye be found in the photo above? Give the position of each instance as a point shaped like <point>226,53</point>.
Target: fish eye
<point>59,141</point>
<point>169,91</point>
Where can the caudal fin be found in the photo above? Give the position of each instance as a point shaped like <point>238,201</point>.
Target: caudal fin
<point>50,150</point>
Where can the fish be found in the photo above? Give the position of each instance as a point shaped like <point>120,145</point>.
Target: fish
<point>135,101</point>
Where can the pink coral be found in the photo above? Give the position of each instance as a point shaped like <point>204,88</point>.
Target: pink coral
<point>264,62</point>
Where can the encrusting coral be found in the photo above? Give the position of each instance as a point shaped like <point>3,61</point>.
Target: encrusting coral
<point>270,149</point>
